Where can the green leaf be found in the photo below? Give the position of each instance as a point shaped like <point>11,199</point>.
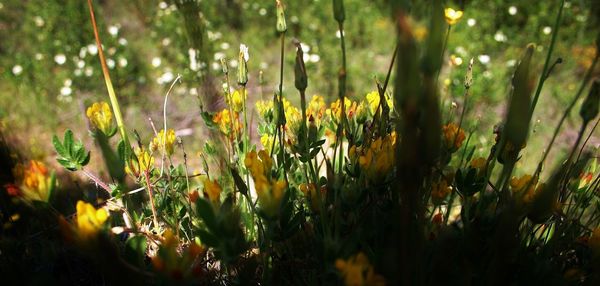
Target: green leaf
<point>68,141</point>
<point>60,149</point>
<point>239,182</point>
<point>206,212</point>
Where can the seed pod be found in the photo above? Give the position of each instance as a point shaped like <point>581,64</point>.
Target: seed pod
<point>281,24</point>
<point>338,10</point>
<point>301,79</point>
<point>589,108</point>
<point>243,65</point>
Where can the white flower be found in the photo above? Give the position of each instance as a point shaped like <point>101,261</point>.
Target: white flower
<point>166,41</point>
<point>122,62</point>
<point>68,82</point>
<point>305,47</point>
<point>511,63</point>
<point>80,64</point>
<point>17,70</point>
<point>262,11</point>
<point>1,5</point>
<point>512,10</point>
<point>83,52</point>
<point>166,77</point>
<point>484,59</point>
<point>110,63</point>
<point>39,21</point>
<point>60,59</point>
<point>244,51</point>
<point>39,56</point>
<point>88,71</point>
<point>547,30</point>
<point>113,30</point>
<point>92,49</point>
<point>314,58</point>
<point>264,65</point>
<point>156,62</point>
<point>471,22</point>
<point>233,63</point>
<point>193,62</point>
<point>338,34</point>
<point>122,41</point>
<point>77,72</point>
<point>163,5</point>
<point>224,46</point>
<point>218,56</point>
<point>500,37</point>
<point>65,90</point>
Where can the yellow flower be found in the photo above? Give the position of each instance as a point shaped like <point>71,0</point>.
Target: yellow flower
<point>452,16</point>
<point>270,191</point>
<point>168,141</point>
<point>311,193</point>
<point>453,136</point>
<point>226,122</point>
<point>238,100</point>
<point>89,220</point>
<point>213,189</point>
<point>376,160</point>
<point>316,108</point>
<point>144,163</point>
<point>100,116</point>
<point>357,271</point>
<point>335,110</point>
<point>479,164</point>
<point>373,99</point>
<point>264,109</point>
<point>36,184</point>
<point>439,191</point>
<point>267,141</point>
<point>519,185</point>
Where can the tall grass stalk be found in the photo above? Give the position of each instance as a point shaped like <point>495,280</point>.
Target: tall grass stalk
<point>114,102</point>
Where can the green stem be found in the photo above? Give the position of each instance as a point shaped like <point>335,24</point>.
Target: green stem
<point>544,73</point>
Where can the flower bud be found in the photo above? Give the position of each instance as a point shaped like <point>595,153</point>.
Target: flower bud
<point>281,25</point>
<point>469,75</point>
<point>338,10</point>
<point>589,107</point>
<point>301,80</point>
<point>224,66</point>
<point>243,65</point>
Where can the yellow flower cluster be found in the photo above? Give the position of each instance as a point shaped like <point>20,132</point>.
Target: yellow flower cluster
<point>167,139</point>
<point>213,190</point>
<point>439,191</point>
<point>335,110</point>
<point>89,219</point>
<point>525,188</point>
<point>452,16</point>
<point>100,116</point>
<point>267,141</point>
<point>144,163</point>
<point>377,159</point>
<point>269,191</point>
<point>237,100</point>
<point>35,182</point>
<point>311,193</point>
<point>178,264</point>
<point>316,109</point>
<point>228,125</point>
<point>357,271</point>
<point>453,136</point>
<point>479,164</point>
<point>372,99</point>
